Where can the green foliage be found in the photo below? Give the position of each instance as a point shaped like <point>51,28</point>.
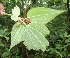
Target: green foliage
<point>29,33</point>
<point>32,38</point>
<point>59,37</point>
<point>43,15</point>
<point>15,15</point>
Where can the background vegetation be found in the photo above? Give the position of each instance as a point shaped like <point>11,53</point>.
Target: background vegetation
<point>59,37</point>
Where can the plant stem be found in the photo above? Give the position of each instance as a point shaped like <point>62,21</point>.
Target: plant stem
<point>8,14</point>
<point>27,54</point>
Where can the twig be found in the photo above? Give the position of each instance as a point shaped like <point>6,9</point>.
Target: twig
<point>27,54</point>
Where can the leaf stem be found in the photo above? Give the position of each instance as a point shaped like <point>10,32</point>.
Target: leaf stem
<point>27,54</point>
<point>8,14</point>
<point>11,15</point>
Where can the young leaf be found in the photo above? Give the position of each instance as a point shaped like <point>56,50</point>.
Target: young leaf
<point>15,18</point>
<point>15,13</point>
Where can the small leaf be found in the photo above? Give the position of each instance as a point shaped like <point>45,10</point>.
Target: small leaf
<point>15,13</point>
<point>1,44</point>
<point>65,34</point>
<point>15,18</point>
<point>65,1</point>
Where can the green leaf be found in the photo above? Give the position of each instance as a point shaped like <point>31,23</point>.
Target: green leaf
<point>58,53</point>
<point>33,33</point>
<point>15,13</point>
<point>1,44</point>
<point>32,37</point>
<point>65,1</point>
<point>41,28</point>
<point>43,15</point>
<point>16,35</point>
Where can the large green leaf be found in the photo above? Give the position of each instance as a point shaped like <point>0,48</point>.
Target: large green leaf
<point>34,33</point>
<point>33,38</point>
<point>43,15</point>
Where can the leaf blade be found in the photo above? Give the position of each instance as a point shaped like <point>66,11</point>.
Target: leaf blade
<point>43,15</point>
<point>32,38</point>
